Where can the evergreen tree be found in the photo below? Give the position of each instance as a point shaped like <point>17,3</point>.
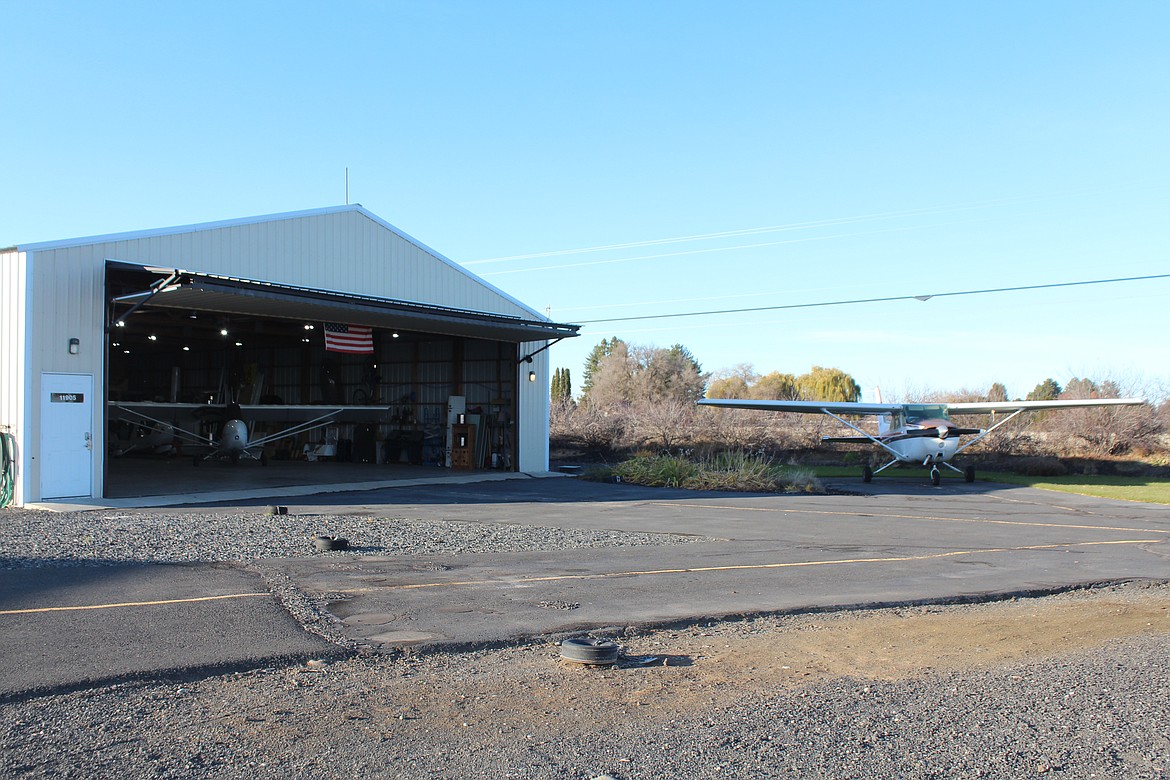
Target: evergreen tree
<point>1048,390</point>
<point>562,387</point>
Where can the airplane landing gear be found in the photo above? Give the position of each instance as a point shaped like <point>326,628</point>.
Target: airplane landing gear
<point>866,474</point>
<point>935,476</point>
<point>969,474</point>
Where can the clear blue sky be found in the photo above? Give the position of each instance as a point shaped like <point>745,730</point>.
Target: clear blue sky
<point>848,150</point>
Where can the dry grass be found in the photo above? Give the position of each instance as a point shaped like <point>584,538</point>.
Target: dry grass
<point>728,470</point>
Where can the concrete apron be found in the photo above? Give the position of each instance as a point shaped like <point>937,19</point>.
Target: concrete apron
<point>271,493</point>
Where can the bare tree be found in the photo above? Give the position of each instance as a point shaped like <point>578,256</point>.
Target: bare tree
<point>1102,430</point>
<point>599,431</point>
<point>669,422</point>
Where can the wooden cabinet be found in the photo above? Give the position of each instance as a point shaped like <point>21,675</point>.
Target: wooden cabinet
<point>462,447</point>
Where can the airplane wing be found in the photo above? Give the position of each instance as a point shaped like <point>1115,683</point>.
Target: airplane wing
<point>803,407</point>
<point>1019,406</point>
<point>296,412</point>
<point>297,419</point>
<point>258,412</point>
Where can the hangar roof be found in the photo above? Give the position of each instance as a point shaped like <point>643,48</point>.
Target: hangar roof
<point>174,288</point>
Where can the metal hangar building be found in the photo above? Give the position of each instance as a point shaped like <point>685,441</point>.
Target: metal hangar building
<point>111,344</point>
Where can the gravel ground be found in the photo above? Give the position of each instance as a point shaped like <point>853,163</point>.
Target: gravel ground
<point>37,538</point>
<point>520,713</point>
<point>769,697</point>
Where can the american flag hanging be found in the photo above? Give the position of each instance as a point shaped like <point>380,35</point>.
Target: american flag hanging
<point>354,339</point>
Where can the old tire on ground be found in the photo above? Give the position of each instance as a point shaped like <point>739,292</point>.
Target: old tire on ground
<point>330,543</point>
<point>594,652</point>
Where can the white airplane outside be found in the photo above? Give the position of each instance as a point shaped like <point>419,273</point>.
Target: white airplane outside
<point>919,434</point>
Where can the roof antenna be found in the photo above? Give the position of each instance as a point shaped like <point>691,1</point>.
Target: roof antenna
<point>347,185</point>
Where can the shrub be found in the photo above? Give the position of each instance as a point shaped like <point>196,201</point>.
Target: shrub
<point>734,470</point>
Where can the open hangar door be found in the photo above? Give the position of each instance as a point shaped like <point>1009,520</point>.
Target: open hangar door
<point>182,345</point>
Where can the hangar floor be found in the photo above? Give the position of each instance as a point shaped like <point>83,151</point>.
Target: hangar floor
<point>160,481</point>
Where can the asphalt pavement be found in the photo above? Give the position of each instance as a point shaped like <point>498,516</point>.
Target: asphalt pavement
<point>899,542</point>
<point>71,628</point>
<point>892,542</point>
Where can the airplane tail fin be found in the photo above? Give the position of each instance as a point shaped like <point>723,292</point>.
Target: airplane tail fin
<point>885,420</point>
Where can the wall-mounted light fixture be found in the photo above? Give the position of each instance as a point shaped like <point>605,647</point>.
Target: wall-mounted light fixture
<point>531,376</point>
<point>74,346</point>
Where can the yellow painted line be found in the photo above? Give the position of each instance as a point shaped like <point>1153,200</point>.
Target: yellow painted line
<point>130,604</point>
<point>890,516</point>
<point>1036,503</point>
<point>740,567</point>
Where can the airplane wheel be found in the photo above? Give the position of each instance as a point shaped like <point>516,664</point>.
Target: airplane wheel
<point>196,461</point>
<point>935,477</point>
<point>867,474</point>
<point>969,474</point>
<point>234,457</point>
<point>263,459</point>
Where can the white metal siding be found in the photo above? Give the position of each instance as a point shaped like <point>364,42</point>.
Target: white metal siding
<point>14,385</point>
<point>345,251</point>
<point>66,299</point>
<point>533,409</point>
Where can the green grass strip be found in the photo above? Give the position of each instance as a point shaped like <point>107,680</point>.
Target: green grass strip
<point>1150,490</point>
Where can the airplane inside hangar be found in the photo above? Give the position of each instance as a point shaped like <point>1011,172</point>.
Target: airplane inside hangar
<point>310,377</point>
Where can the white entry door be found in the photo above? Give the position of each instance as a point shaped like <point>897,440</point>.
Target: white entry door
<point>66,435</point>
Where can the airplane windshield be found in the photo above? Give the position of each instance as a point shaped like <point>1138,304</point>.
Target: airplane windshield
<point>916,413</point>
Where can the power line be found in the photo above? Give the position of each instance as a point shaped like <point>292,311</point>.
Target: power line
<point>876,300</point>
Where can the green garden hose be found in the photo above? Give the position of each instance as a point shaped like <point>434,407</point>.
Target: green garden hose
<point>7,468</point>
